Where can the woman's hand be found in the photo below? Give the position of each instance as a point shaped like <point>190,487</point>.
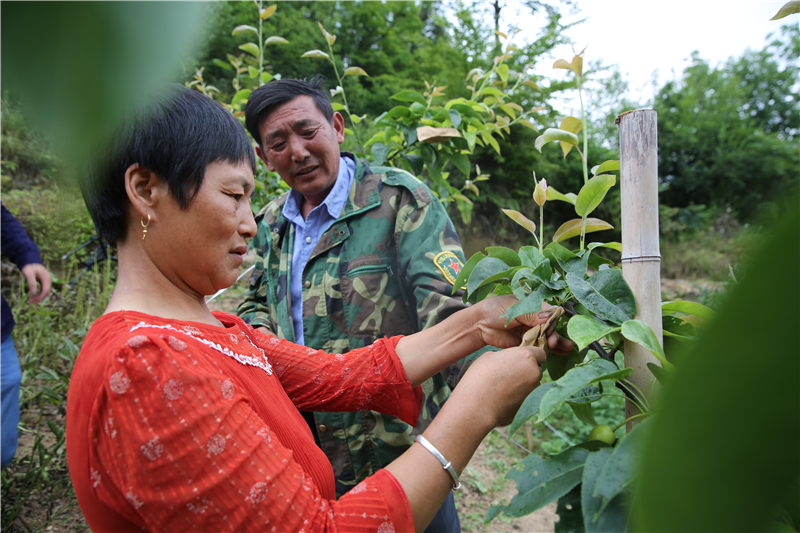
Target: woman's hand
<point>498,382</point>
<point>491,325</point>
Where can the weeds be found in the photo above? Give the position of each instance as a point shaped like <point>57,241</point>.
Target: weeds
<point>36,489</point>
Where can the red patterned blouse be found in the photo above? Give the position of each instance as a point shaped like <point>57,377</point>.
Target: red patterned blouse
<point>183,426</point>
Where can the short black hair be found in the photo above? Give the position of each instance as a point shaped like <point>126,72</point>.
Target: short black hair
<point>269,96</point>
<point>176,134</point>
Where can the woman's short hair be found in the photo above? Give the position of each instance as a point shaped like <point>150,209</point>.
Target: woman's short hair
<point>176,135</point>
<point>266,98</point>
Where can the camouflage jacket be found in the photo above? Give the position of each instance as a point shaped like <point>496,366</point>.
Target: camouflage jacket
<point>385,267</point>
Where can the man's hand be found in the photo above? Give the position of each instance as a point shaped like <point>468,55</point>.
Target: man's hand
<point>36,273</point>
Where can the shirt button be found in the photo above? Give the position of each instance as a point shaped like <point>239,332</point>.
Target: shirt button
<point>308,240</point>
<point>307,284</point>
<point>323,428</point>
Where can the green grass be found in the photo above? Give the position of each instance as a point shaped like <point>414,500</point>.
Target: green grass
<point>47,338</point>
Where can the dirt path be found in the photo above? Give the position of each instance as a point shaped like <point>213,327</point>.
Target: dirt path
<point>484,485</point>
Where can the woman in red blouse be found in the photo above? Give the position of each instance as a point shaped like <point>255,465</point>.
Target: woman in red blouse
<point>180,419</point>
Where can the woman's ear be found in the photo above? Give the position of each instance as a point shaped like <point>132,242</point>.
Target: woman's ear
<point>144,189</point>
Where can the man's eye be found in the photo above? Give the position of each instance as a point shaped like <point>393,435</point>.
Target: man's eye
<point>277,146</point>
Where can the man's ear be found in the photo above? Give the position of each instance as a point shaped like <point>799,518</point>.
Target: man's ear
<point>261,156</point>
<point>144,189</point>
<point>338,126</point>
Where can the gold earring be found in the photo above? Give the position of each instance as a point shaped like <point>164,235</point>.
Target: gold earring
<point>144,233</point>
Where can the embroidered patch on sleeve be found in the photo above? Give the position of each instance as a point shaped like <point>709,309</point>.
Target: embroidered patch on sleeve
<point>449,264</point>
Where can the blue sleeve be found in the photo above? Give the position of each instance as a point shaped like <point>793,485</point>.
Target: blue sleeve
<point>16,244</point>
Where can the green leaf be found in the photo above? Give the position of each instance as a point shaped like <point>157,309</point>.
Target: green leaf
<point>493,91</point>
<point>659,373</point>
<point>466,270</point>
<point>266,77</point>
<point>530,407</point>
<point>572,228</point>
<point>541,480</point>
<point>553,194</point>
<point>410,96</point>
<point>641,333</point>
<point>520,282</point>
<point>612,285</point>
<point>508,110</point>
<point>531,303</point>
<point>613,245</point>
<point>244,28</point>
<point>570,512</point>
<point>596,262</point>
<point>530,256</point>
<point>592,193</point>
<point>507,255</point>
<point>244,94</point>
<point>487,268</point>
<point>267,12</point>
<point>250,48</point>
<point>613,306</point>
<point>520,219</point>
<point>742,377</point>
<point>416,163</point>
<point>575,380</point>
<point>379,153</point>
<point>690,308</point>
<point>558,365</point>
<point>466,110</point>
<point>677,327</point>
<point>488,139</point>
<point>252,72</point>
<point>789,8</point>
<point>502,71</point>
<point>354,71</point>
<point>569,262</point>
<point>460,161</point>
<point>622,468</point>
<point>584,412</point>
<point>275,40</point>
<point>455,117</point>
<point>531,84</point>
<point>614,517</point>
<point>528,124</point>
<point>584,330</point>
<point>317,54</point>
<point>554,134</point>
<point>606,166</point>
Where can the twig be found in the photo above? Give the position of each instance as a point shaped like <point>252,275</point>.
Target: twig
<point>24,523</point>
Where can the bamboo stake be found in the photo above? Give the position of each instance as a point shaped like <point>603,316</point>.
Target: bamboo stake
<point>641,253</point>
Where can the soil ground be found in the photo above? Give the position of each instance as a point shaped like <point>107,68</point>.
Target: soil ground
<point>53,507</point>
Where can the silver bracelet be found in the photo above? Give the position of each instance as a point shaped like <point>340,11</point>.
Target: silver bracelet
<point>445,463</point>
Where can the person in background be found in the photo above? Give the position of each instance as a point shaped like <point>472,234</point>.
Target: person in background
<point>351,254</point>
<point>18,247</point>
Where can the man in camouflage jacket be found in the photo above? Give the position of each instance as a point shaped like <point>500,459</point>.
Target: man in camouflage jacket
<point>384,267</point>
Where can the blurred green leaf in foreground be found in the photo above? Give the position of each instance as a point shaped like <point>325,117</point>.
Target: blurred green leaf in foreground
<point>723,451</point>
<point>78,65</point>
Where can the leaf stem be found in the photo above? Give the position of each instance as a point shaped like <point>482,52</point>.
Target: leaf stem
<point>634,417</point>
<point>344,96</point>
<point>541,226</point>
